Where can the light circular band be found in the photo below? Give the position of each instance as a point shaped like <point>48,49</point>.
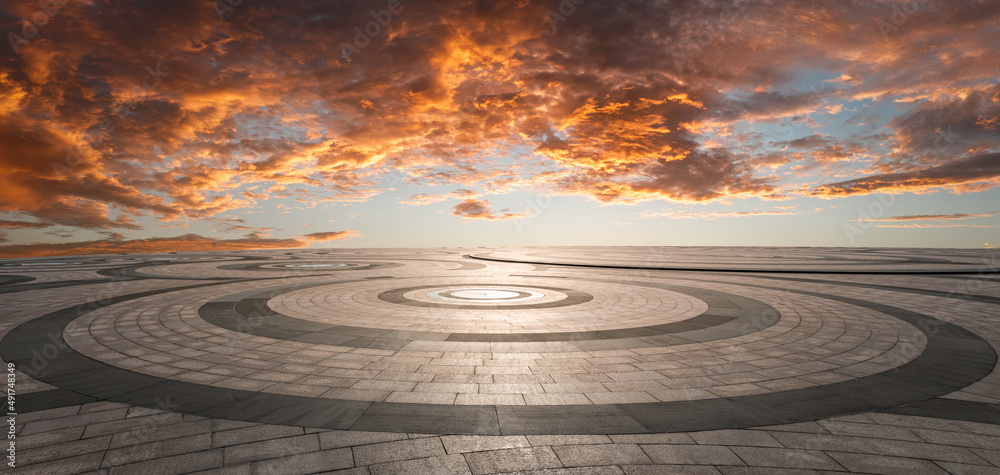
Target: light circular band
<point>486,295</point>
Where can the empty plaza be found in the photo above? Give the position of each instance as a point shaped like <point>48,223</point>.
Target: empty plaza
<point>494,360</point>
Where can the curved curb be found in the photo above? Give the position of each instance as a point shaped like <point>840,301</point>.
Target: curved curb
<point>728,270</point>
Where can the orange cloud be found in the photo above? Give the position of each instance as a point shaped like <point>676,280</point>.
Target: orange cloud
<point>930,226</point>
<point>428,198</point>
<point>712,215</point>
<point>189,116</point>
<point>185,243</point>
<point>932,217</point>
<point>475,209</point>
<point>330,236</point>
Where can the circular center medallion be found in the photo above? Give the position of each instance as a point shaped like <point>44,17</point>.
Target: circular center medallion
<point>313,265</point>
<point>485,295</point>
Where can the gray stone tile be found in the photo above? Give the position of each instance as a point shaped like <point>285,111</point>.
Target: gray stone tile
<point>176,464</point>
<point>55,413</point>
<point>691,454</point>
<point>398,450</point>
<point>843,443</point>
<point>735,437</point>
<point>459,444</point>
<point>885,464</point>
<point>224,438</point>
<point>28,454</point>
<point>265,449</point>
<point>668,438</point>
<point>805,427</point>
<point>673,469</point>
<point>350,471</point>
<point>786,458</point>
<point>869,430</point>
<point>151,432</point>
<point>962,439</point>
<point>541,440</point>
<point>955,468</point>
<point>41,439</point>
<point>727,470</point>
<point>606,454</point>
<point>920,450</point>
<point>444,465</point>
<point>101,406</point>
<point>992,456</point>
<point>512,460</point>
<point>155,450</point>
<point>312,462</point>
<point>601,470</point>
<point>64,422</point>
<point>430,418</point>
<point>145,423</point>
<point>349,438</point>
<point>244,469</point>
<point>224,424</point>
<point>78,464</point>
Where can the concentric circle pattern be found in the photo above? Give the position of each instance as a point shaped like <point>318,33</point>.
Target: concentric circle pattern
<point>485,295</point>
<point>438,341</point>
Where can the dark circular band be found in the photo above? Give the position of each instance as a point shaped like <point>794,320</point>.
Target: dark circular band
<point>450,294</point>
<point>270,266</point>
<point>36,349</point>
<point>728,315</point>
<point>397,296</point>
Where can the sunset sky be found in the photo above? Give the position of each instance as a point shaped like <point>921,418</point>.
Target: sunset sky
<point>130,126</point>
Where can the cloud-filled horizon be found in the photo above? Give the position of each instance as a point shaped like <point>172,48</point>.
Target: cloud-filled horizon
<point>133,126</point>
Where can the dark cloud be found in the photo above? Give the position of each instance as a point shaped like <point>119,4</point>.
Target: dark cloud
<point>4,223</point>
<point>933,217</point>
<point>936,131</point>
<point>810,142</point>
<point>183,111</point>
<point>964,174</point>
<point>703,177</point>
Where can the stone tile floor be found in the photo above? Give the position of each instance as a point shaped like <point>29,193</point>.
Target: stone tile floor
<point>732,361</point>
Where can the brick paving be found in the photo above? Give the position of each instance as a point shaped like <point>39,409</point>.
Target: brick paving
<point>288,362</point>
